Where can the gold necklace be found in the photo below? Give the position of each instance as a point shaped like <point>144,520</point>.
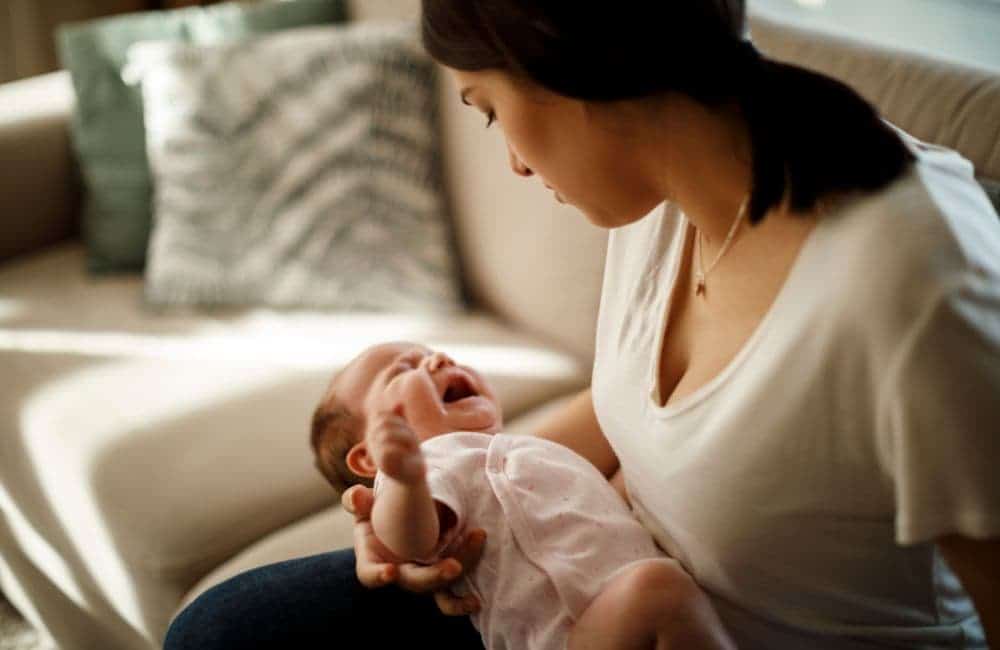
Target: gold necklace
<point>702,272</point>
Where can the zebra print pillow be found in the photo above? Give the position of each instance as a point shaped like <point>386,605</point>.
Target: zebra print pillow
<point>297,170</point>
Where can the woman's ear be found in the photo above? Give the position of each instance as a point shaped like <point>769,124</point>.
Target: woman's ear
<point>360,461</point>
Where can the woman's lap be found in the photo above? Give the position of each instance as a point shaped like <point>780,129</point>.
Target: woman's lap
<point>314,601</point>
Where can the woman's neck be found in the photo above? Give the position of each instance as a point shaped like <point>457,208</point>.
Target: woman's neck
<point>701,160</point>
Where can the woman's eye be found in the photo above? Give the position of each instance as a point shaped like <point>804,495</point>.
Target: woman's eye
<point>491,117</point>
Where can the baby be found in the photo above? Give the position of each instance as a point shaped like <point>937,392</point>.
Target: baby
<point>565,564</point>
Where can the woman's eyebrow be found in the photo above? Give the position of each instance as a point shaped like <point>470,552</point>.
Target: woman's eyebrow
<point>463,95</point>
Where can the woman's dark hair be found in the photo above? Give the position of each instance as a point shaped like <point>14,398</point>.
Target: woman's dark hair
<point>810,135</point>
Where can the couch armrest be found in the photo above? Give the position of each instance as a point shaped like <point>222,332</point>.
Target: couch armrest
<point>39,182</point>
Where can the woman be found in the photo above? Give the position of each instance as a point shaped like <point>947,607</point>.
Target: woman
<point>798,349</point>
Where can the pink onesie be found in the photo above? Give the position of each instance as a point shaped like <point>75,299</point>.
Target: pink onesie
<point>556,532</point>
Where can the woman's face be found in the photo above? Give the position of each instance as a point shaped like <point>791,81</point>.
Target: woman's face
<point>586,159</point>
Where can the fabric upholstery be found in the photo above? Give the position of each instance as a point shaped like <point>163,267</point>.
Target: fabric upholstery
<point>39,192</point>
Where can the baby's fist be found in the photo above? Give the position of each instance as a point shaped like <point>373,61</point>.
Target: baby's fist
<point>395,448</point>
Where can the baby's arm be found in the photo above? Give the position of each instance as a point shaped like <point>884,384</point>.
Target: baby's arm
<point>404,517</point>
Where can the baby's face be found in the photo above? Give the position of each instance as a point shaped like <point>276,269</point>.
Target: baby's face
<point>436,395</point>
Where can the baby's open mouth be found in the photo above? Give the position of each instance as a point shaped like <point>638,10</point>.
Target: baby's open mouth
<point>458,388</point>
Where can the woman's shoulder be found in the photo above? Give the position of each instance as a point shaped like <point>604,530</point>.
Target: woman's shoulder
<point>920,234</point>
<point>939,195</point>
<point>884,258</point>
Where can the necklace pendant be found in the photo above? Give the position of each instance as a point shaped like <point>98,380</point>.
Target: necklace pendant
<point>700,289</point>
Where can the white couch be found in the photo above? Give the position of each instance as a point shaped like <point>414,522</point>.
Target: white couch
<point>144,457</point>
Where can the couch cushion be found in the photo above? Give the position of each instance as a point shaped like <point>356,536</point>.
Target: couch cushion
<point>145,449</point>
<point>330,528</point>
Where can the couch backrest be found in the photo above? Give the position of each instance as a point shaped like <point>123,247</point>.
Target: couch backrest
<point>950,104</point>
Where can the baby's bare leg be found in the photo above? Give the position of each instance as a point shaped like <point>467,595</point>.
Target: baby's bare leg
<point>653,604</point>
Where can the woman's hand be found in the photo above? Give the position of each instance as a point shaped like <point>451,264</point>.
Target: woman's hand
<point>376,565</point>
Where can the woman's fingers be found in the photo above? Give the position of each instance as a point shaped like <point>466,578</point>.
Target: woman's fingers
<point>369,562</point>
<point>471,550</point>
<point>452,605</point>
<point>358,501</point>
<point>372,572</point>
<point>420,578</point>
<point>465,559</point>
<point>369,565</point>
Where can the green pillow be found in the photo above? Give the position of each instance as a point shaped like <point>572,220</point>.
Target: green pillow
<point>108,132</point>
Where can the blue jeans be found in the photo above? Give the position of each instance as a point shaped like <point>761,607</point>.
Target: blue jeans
<point>313,602</point>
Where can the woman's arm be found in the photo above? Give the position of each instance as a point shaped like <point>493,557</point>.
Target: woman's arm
<point>977,565</point>
<point>576,427</point>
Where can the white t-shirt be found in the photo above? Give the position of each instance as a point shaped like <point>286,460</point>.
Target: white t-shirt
<point>804,485</point>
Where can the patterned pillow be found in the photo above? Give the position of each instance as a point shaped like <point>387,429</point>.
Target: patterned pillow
<point>297,170</point>
<point>107,125</point>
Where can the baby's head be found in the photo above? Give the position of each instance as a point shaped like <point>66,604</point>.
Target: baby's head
<point>436,396</point>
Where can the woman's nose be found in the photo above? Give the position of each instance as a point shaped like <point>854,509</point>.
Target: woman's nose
<point>515,164</point>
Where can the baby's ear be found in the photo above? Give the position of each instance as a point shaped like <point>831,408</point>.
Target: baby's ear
<point>360,461</point>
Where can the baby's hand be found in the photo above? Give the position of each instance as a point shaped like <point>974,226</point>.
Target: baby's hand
<point>395,448</point>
